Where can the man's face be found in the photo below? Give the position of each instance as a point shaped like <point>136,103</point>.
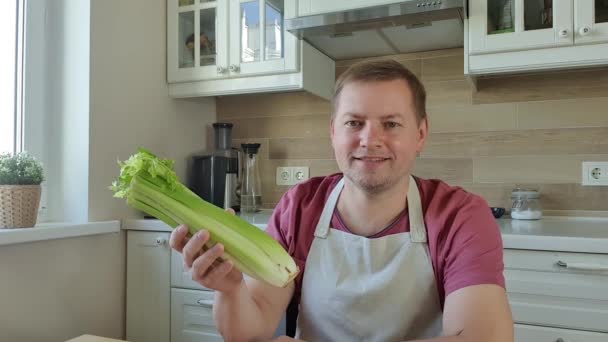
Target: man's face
<point>375,133</point>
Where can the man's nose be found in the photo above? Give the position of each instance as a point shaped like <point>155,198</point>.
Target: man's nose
<point>371,136</point>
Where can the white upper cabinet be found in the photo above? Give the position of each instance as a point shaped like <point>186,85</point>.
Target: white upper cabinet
<point>499,25</point>
<point>528,35</point>
<point>241,47</point>
<point>591,21</point>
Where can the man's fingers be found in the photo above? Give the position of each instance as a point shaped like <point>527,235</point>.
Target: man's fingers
<point>178,238</point>
<point>201,266</point>
<point>194,246</point>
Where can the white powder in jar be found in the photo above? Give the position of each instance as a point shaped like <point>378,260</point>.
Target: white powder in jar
<point>526,214</point>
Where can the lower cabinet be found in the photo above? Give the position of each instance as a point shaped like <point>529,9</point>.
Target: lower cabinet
<point>192,316</point>
<point>531,333</point>
<point>557,296</point>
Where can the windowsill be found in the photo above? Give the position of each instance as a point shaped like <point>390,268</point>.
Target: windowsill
<point>56,230</point>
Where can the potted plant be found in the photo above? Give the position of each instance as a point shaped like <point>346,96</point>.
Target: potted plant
<point>20,178</point>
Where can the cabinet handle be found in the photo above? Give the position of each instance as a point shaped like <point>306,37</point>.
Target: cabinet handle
<point>234,68</point>
<point>559,339</point>
<point>221,70</point>
<point>563,33</point>
<point>205,302</point>
<point>160,241</point>
<point>583,31</point>
<point>582,266</point>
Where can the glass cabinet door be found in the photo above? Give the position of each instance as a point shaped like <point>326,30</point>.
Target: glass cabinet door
<point>591,24</point>
<point>259,43</point>
<point>196,42</point>
<point>509,25</point>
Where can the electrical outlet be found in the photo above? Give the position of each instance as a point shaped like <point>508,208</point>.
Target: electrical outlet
<point>290,175</point>
<point>595,173</point>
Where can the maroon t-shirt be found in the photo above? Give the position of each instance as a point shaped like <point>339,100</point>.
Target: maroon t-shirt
<point>464,238</point>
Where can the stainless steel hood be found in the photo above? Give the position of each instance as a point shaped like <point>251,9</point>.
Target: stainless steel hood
<point>406,26</point>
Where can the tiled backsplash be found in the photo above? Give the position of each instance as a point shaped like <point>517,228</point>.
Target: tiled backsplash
<point>529,130</point>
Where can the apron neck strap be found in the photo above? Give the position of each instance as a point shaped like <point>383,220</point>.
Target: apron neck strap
<point>416,218</point>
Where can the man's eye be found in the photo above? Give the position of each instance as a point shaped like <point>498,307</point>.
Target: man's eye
<point>353,123</point>
<point>391,124</point>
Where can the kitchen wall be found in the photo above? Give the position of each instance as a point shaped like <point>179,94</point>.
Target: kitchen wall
<point>526,130</point>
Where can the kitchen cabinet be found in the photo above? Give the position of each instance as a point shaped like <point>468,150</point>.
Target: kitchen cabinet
<point>516,35</point>
<point>148,286</point>
<point>242,47</point>
<point>192,316</point>
<point>557,295</point>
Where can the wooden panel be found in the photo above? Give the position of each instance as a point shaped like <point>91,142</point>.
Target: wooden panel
<point>472,118</point>
<point>279,104</point>
<point>448,93</point>
<point>529,142</point>
<point>545,86</point>
<point>443,68</point>
<point>407,56</point>
<point>448,170</point>
<point>301,148</point>
<point>282,127</point>
<point>532,169</point>
<point>590,112</point>
<point>414,65</point>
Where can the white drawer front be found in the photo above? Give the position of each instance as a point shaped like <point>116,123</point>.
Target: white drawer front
<point>179,276</point>
<point>543,293</point>
<point>529,333</point>
<point>192,316</point>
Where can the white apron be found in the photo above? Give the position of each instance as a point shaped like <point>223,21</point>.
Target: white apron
<point>361,289</point>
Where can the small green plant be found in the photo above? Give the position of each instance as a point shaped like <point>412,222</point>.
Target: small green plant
<point>20,169</point>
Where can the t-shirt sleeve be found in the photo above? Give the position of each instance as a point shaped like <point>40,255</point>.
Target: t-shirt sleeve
<point>474,253</point>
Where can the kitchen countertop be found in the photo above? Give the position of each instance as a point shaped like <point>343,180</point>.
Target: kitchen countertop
<point>551,233</point>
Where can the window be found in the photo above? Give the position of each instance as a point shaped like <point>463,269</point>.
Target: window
<point>11,67</point>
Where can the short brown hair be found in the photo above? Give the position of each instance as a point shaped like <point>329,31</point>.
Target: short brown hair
<point>382,70</point>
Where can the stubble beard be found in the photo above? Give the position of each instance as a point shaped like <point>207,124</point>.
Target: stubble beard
<point>372,184</point>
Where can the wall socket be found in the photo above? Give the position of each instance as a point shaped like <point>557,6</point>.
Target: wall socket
<point>290,175</point>
<point>595,173</point>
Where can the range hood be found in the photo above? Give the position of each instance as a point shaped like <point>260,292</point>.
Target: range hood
<point>402,27</point>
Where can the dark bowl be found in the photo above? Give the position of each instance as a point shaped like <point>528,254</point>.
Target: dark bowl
<point>498,212</point>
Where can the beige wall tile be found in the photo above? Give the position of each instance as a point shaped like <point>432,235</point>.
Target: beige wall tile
<point>532,169</point>
<point>448,170</point>
<point>448,93</point>
<point>550,86</point>
<point>472,118</point>
<point>301,148</point>
<point>447,68</point>
<point>282,127</point>
<point>591,112</point>
<point>529,142</point>
<point>263,105</point>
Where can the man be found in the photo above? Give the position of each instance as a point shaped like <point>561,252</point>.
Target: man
<point>385,256</point>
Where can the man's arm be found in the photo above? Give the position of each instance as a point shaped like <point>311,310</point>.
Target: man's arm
<point>478,313</point>
<point>253,312</point>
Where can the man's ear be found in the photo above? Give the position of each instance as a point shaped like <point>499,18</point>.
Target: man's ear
<point>423,132</point>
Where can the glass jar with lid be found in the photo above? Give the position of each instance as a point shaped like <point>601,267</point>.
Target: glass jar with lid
<point>526,204</point>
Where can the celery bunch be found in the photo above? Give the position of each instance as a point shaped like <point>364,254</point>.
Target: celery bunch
<point>149,184</point>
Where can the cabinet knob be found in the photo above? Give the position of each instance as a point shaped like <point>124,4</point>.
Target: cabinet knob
<point>161,241</point>
<point>560,340</point>
<point>583,31</point>
<point>221,70</point>
<point>563,33</point>
<point>234,68</point>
